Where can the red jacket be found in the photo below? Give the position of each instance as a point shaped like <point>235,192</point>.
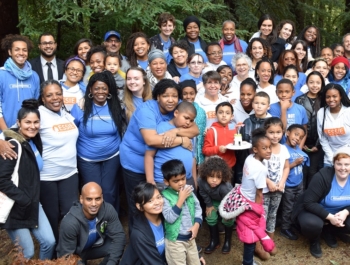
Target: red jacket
<point>224,137</point>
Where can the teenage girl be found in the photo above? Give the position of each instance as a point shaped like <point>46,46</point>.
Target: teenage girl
<point>278,170</point>
<point>291,72</point>
<point>214,184</point>
<point>137,49</point>
<point>264,73</point>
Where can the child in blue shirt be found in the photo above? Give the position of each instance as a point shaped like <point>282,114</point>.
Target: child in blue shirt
<point>288,111</point>
<point>294,184</point>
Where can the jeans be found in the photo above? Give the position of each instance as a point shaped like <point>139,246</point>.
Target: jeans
<point>43,234</point>
<point>57,197</point>
<point>248,254</point>
<point>104,173</point>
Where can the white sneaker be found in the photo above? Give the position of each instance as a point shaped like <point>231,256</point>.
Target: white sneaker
<point>256,262</point>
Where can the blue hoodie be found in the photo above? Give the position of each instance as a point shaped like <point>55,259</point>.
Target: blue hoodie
<point>13,91</point>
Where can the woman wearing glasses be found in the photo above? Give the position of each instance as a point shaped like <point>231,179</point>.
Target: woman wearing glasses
<point>73,86</point>
<point>214,54</point>
<point>196,65</point>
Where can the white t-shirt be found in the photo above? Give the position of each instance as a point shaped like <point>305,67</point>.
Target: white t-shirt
<point>275,165</point>
<point>254,177</point>
<point>271,91</point>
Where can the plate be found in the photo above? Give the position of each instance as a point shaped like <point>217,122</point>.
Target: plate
<point>245,145</point>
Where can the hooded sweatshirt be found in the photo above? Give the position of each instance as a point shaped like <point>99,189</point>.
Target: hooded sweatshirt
<point>239,114</point>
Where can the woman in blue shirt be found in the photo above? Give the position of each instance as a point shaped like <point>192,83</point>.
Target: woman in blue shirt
<point>100,125</point>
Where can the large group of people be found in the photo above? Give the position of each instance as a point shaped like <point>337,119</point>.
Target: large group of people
<point>159,120</point>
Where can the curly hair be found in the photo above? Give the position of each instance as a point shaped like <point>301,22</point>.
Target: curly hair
<point>264,43</point>
<point>6,43</point>
<point>45,84</point>
<point>280,27</point>
<point>163,85</point>
<point>130,53</point>
<point>96,49</point>
<point>215,165</point>
<point>182,44</point>
<point>113,102</point>
<point>315,47</point>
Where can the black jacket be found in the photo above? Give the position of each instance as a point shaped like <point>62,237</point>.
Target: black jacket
<point>25,211</point>
<point>277,48</point>
<point>36,66</point>
<point>142,249</point>
<point>156,42</point>
<point>317,190</point>
<point>74,232</point>
<point>172,69</point>
<point>191,50</point>
<point>250,125</point>
<point>312,135</point>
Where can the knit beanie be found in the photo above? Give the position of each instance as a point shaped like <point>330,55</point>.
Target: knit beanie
<point>191,19</point>
<point>340,59</point>
<point>154,54</point>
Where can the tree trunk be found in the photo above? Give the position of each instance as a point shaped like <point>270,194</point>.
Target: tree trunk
<point>346,27</point>
<point>8,23</point>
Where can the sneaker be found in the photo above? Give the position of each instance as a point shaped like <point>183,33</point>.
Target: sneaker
<point>255,262</point>
<point>315,249</point>
<point>329,238</point>
<point>288,233</point>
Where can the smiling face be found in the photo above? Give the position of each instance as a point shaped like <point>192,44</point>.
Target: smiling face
<point>242,68</point>
<point>314,84</point>
<point>188,94</point>
<point>158,68</point>
<point>342,167</point>
<point>338,51</point>
<point>274,133</point>
<point>327,53</point>
<point>53,97</point>
<point>97,62</point>
<point>346,43</point>
<point>224,115</point>
<point>321,67</point>
<point>47,46</point>
<point>266,28</point>
<point>286,31</point>
<point>74,72</point>
<point>247,94</point>
<point>310,34</point>
<point>212,88</point>
<point>99,91</point>
<point>168,100</point>
<point>214,54</point>
<point>154,206</point>
<point>29,125</point>
<point>257,50</point>
<point>264,72</point>
<point>226,75</point>
<point>295,136</point>
<point>289,59</point>
<point>19,53</point>
<point>192,31</point>
<point>135,82</point>
<point>180,56</point>
<point>229,31</point>
<point>91,200</point>
<point>339,71</point>
<point>141,48</point>
<point>196,65</point>
<point>299,49</point>
<point>292,75</point>
<point>83,50</point>
<point>113,44</point>
<point>167,28</point>
<point>333,99</point>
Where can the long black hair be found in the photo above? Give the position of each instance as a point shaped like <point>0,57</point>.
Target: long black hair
<point>113,102</point>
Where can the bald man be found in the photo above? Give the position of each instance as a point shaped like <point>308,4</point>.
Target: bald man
<point>91,229</point>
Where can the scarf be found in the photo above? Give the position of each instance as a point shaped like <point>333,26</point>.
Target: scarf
<point>153,80</point>
<point>20,73</point>
<point>235,41</point>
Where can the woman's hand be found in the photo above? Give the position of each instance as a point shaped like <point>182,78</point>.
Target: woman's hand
<point>6,150</point>
<point>334,220</point>
<point>186,143</point>
<point>342,215</point>
<point>169,137</point>
<point>176,79</point>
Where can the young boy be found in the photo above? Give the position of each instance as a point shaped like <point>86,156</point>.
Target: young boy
<point>220,134</point>
<point>112,64</point>
<point>294,184</point>
<point>182,214</point>
<point>163,40</point>
<point>184,116</point>
<point>288,111</point>
<point>211,97</point>
<point>261,104</point>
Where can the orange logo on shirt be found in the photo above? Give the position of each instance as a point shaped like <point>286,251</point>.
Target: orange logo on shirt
<point>63,127</point>
<point>335,131</point>
<point>70,100</point>
<point>211,115</point>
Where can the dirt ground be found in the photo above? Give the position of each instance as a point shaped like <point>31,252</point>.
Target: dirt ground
<point>290,252</point>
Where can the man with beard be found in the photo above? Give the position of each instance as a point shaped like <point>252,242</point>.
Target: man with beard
<point>91,229</point>
<point>113,42</point>
<point>47,66</point>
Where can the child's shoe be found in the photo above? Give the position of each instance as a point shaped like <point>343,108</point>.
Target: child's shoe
<point>260,252</point>
<point>226,248</point>
<point>214,239</point>
<point>289,233</point>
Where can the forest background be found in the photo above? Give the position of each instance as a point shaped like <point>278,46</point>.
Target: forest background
<point>70,20</point>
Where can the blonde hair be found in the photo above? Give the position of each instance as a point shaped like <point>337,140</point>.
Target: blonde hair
<point>146,94</point>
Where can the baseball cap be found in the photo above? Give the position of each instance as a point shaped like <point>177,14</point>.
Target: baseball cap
<point>112,33</point>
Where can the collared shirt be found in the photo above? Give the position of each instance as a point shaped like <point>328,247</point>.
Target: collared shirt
<point>53,67</point>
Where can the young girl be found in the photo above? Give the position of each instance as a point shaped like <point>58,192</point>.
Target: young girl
<point>214,184</point>
<point>311,101</point>
<point>300,47</point>
<point>96,58</point>
<point>320,65</point>
<point>264,73</point>
<point>195,65</point>
<point>291,72</point>
<point>246,201</point>
<point>278,170</point>
<point>137,49</point>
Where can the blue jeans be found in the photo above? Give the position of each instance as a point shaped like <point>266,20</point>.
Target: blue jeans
<point>248,254</point>
<point>43,234</point>
<point>104,173</point>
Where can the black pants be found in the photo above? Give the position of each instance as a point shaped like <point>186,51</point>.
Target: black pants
<point>316,163</point>
<point>98,252</point>
<point>57,197</point>
<point>290,196</point>
<point>311,225</point>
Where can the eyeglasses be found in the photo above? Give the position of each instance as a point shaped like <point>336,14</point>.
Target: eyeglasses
<point>78,71</point>
<point>111,41</point>
<point>196,63</point>
<point>215,53</point>
<point>47,43</point>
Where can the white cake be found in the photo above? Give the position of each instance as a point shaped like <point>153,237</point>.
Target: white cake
<point>237,140</point>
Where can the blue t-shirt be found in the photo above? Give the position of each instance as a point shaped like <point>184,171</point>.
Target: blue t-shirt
<point>100,139</point>
<point>39,159</point>
<point>166,46</point>
<point>137,101</point>
<point>182,70</point>
<point>338,197</point>
<point>133,147</point>
<point>165,154</point>
<point>295,176</point>
<point>296,114</point>
<point>298,85</point>
<point>188,76</point>
<point>198,49</point>
<point>93,235</point>
<point>158,232</point>
<point>143,64</point>
<point>229,51</point>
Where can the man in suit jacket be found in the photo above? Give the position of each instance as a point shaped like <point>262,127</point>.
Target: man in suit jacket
<point>47,66</point>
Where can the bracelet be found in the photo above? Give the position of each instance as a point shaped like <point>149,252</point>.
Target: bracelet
<point>182,140</point>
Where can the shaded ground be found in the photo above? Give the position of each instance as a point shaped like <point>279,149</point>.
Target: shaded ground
<point>290,252</point>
